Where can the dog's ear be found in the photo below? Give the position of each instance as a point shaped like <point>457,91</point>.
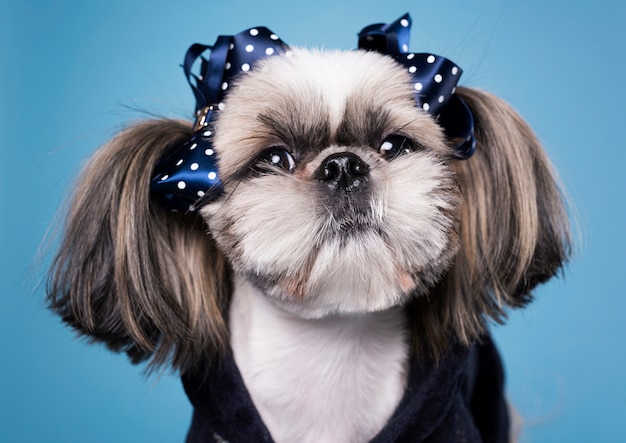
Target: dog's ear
<point>129,273</point>
<point>514,226</point>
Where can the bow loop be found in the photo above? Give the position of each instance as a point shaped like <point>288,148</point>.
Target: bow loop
<point>391,39</point>
<point>203,92</point>
<point>230,56</point>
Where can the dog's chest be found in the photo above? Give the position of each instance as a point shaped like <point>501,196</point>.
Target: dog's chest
<point>338,379</point>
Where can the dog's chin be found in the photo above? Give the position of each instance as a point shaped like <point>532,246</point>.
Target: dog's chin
<point>345,278</point>
<point>326,304</point>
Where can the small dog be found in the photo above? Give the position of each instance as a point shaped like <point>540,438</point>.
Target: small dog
<point>320,254</point>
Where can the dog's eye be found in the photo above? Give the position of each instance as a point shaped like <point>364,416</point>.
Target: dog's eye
<point>395,145</point>
<point>278,157</point>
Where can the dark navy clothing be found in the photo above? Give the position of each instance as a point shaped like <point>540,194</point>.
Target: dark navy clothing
<point>459,400</point>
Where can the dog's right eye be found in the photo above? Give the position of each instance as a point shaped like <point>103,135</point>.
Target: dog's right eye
<point>277,157</point>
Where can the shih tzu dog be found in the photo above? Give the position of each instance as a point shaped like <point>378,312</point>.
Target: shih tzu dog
<point>319,255</point>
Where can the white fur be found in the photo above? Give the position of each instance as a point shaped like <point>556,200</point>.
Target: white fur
<point>336,379</point>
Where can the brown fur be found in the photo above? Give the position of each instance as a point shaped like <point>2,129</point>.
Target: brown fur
<point>127,271</point>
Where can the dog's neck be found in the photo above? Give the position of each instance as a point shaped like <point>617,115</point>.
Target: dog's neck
<point>336,379</point>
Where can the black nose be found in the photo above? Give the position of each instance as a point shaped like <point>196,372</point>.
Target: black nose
<point>343,171</point>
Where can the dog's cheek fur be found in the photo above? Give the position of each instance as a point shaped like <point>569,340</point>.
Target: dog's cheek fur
<point>267,227</point>
<point>421,200</point>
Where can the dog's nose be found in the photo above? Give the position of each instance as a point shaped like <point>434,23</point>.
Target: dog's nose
<point>342,171</point>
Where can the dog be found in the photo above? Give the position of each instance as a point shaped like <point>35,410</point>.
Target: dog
<point>321,253</point>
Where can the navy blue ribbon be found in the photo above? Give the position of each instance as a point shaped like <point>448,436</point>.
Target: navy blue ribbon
<point>190,176</point>
<point>434,80</point>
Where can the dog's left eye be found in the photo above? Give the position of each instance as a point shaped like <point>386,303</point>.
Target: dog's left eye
<point>395,145</point>
<point>278,157</point>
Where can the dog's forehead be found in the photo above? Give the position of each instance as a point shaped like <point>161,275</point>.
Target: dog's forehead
<point>329,79</point>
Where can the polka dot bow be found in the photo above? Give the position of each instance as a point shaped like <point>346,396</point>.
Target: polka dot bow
<point>434,80</point>
<point>189,176</point>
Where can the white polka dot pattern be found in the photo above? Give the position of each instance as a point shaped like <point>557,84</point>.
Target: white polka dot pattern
<point>434,79</point>
<point>194,175</point>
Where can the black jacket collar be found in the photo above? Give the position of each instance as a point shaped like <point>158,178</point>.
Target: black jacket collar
<point>460,399</point>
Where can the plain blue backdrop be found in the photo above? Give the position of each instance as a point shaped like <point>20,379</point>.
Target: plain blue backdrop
<point>74,72</point>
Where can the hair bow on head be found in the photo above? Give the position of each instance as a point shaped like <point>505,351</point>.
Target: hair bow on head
<point>191,172</point>
<point>435,79</point>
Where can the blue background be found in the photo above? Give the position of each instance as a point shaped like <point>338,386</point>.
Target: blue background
<point>74,72</point>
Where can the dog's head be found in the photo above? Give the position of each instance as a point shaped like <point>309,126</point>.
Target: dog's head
<point>339,195</point>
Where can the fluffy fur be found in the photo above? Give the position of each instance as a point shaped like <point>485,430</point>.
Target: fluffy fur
<point>422,253</point>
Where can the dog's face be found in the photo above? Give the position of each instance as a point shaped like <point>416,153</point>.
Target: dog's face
<point>338,198</point>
